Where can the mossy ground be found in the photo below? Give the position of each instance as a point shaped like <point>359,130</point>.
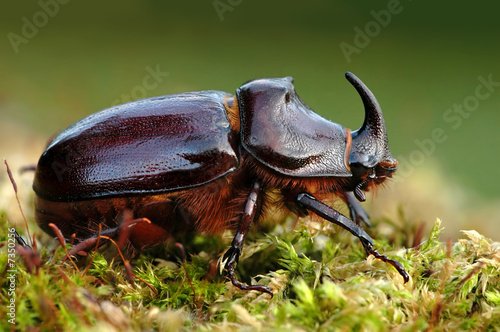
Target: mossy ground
<point>320,276</point>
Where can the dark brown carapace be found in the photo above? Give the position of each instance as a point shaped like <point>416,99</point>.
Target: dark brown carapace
<point>208,161</point>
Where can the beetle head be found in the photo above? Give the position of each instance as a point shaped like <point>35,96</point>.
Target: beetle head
<point>370,158</point>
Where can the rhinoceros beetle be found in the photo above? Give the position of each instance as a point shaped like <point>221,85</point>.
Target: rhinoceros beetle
<point>207,161</point>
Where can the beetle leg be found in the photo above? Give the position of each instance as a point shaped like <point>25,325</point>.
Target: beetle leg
<point>233,253</point>
<point>321,209</point>
<point>121,232</point>
<point>20,240</point>
<point>356,211</point>
<point>324,211</point>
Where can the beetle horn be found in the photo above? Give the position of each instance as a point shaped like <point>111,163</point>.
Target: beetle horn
<point>369,143</point>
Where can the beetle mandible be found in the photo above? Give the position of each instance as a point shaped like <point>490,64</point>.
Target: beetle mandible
<point>206,161</point>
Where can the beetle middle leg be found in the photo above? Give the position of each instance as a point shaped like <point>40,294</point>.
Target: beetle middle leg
<point>232,255</point>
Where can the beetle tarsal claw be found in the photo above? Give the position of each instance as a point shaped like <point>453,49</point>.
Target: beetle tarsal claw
<point>397,265</point>
<point>230,258</point>
<point>245,287</point>
<point>222,263</point>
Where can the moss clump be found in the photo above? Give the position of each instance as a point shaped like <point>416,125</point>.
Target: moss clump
<point>321,281</point>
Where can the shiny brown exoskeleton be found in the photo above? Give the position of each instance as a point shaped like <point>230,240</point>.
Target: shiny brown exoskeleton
<point>208,161</point>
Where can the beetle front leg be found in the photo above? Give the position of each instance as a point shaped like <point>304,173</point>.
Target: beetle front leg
<point>309,202</point>
<point>232,255</point>
<point>356,211</point>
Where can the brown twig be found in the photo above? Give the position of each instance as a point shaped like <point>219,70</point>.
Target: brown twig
<point>183,263</point>
<point>126,263</point>
<point>95,251</point>
<point>14,185</point>
<point>62,241</point>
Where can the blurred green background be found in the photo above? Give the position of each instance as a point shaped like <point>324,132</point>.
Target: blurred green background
<point>62,60</point>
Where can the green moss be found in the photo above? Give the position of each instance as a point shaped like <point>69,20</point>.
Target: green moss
<point>321,279</point>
